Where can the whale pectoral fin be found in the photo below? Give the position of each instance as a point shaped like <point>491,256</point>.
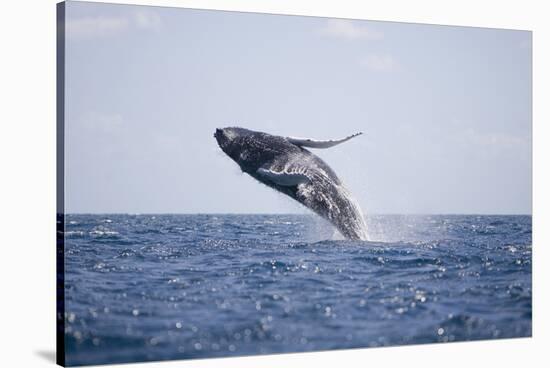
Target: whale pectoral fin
<point>312,143</point>
<point>283,178</point>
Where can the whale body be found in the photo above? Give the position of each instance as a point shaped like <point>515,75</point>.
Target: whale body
<point>284,164</point>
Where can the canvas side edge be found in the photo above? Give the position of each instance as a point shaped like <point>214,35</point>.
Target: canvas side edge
<point>60,185</point>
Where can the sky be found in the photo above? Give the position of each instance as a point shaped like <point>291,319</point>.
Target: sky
<point>445,111</point>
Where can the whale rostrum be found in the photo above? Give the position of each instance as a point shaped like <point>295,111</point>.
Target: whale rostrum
<point>284,164</point>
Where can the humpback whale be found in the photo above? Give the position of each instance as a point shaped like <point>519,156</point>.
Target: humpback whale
<point>284,164</point>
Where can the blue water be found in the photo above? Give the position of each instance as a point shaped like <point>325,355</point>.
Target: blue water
<point>156,287</point>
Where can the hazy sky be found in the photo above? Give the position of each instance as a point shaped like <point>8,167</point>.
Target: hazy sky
<point>446,111</point>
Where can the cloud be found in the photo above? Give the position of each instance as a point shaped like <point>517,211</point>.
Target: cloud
<point>100,26</point>
<point>147,19</point>
<point>496,140</point>
<point>351,30</point>
<point>471,138</point>
<point>379,63</point>
<point>95,26</point>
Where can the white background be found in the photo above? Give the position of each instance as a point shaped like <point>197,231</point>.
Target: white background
<point>27,151</point>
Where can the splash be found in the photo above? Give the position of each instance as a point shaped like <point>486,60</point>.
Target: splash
<point>358,220</point>
<point>331,200</point>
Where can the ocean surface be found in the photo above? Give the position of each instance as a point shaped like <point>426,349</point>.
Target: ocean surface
<point>157,287</point>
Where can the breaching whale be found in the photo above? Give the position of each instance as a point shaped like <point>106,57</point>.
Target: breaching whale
<point>284,164</point>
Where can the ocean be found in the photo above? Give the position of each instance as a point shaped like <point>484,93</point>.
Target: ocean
<point>158,287</point>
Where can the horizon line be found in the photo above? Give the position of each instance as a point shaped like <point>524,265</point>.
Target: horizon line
<point>294,214</point>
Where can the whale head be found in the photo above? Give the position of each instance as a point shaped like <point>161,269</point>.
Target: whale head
<point>249,149</point>
<point>231,140</point>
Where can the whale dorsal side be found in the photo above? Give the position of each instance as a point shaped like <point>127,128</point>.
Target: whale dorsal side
<point>312,143</point>
<point>287,179</point>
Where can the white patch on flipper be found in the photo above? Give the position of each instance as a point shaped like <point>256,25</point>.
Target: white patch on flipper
<point>286,179</point>
<point>312,143</point>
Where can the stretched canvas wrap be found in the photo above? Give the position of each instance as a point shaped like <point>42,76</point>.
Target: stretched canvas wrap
<point>236,184</point>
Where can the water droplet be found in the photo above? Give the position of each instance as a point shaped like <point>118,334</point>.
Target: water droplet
<point>135,312</point>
